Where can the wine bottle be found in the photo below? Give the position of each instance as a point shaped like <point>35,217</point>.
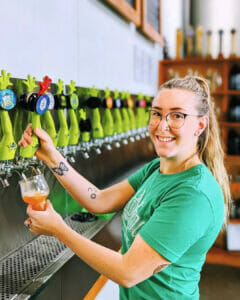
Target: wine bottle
<point>233,142</point>
<point>234,110</point>
<point>232,74</point>
<point>234,78</point>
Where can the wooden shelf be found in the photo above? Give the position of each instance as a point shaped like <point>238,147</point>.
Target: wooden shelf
<point>223,257</point>
<point>229,124</point>
<point>233,160</point>
<point>218,93</point>
<point>191,60</point>
<point>234,221</point>
<point>233,92</point>
<point>226,93</point>
<point>199,60</point>
<point>235,189</point>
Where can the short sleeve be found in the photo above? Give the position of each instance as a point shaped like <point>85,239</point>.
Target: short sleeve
<point>137,179</point>
<point>177,223</point>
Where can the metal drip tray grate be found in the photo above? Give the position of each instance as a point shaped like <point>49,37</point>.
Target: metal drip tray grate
<point>29,264</point>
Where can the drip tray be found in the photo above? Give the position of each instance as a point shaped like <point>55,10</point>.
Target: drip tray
<point>26,270</point>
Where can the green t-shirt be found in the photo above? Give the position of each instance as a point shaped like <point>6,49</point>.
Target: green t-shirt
<point>179,215</point>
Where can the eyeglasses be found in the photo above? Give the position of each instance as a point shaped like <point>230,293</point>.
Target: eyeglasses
<point>174,119</point>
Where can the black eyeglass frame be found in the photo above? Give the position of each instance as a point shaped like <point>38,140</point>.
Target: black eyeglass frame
<point>172,112</point>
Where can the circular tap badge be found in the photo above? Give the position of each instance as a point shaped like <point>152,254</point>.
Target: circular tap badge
<point>51,101</point>
<point>7,99</point>
<point>109,102</point>
<point>42,104</point>
<point>117,103</point>
<point>130,103</point>
<point>74,102</point>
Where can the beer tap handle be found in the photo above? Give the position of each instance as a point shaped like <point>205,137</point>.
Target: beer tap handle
<point>73,103</point>
<point>8,145</point>
<point>61,102</point>
<point>27,100</point>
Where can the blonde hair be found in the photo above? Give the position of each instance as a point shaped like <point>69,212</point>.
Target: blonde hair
<point>209,149</point>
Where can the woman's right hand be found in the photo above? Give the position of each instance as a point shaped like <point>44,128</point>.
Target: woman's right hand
<point>46,150</point>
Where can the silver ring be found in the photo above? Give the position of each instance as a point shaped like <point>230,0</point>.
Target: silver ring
<point>28,224</point>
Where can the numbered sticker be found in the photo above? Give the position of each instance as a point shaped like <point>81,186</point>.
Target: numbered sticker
<point>7,99</point>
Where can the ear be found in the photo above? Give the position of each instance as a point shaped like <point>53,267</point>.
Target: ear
<point>202,124</point>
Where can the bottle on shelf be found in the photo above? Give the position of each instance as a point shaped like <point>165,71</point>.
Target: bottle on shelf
<point>234,77</point>
<point>233,142</point>
<point>165,50</point>
<point>235,209</point>
<point>234,110</point>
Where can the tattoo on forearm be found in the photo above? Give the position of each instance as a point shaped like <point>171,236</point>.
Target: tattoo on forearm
<point>160,268</point>
<point>61,169</point>
<point>93,192</point>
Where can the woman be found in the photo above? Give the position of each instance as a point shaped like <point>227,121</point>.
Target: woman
<point>173,208</point>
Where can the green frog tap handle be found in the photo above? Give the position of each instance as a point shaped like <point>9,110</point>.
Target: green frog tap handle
<point>84,124</point>
<point>117,119</point>
<point>36,103</point>
<point>148,109</point>
<point>8,145</point>
<point>94,103</point>
<point>61,104</point>
<point>131,115</point>
<point>125,118</point>
<point>108,125</point>
<point>47,119</point>
<point>73,103</point>
<point>18,117</point>
<point>140,116</point>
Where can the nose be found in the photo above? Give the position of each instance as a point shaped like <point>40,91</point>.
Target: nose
<point>163,124</point>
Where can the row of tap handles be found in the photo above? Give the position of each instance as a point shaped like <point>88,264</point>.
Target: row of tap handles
<point>87,119</point>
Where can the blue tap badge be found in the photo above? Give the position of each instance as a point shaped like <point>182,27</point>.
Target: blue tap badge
<point>42,104</point>
<point>117,103</point>
<point>7,99</point>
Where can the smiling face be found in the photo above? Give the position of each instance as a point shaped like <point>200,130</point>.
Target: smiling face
<point>171,142</point>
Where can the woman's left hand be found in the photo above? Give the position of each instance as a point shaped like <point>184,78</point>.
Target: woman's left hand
<point>47,222</point>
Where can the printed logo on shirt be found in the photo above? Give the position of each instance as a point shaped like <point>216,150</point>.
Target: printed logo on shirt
<point>131,221</point>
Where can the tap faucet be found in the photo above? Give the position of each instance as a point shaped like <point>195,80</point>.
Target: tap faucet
<point>4,182</point>
<point>116,140</point>
<point>96,145</point>
<point>131,135</point>
<point>107,142</point>
<point>5,173</point>
<point>84,148</point>
<point>124,138</point>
